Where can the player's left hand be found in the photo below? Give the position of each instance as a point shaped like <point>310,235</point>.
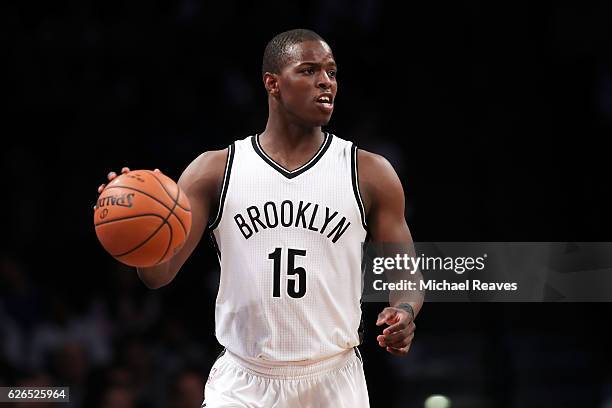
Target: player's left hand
<point>396,338</point>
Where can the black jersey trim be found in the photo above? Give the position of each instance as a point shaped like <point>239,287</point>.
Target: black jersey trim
<point>214,242</point>
<point>293,173</point>
<point>220,354</point>
<point>226,179</point>
<point>358,354</point>
<point>364,267</point>
<point>355,180</point>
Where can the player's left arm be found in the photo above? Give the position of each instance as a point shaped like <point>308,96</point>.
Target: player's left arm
<point>384,203</point>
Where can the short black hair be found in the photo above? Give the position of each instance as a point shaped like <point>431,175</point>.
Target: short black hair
<point>276,55</point>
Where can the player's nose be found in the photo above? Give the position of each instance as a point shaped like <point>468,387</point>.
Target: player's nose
<point>324,81</point>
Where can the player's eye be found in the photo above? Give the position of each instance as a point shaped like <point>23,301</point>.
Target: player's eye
<point>331,74</point>
<point>309,71</point>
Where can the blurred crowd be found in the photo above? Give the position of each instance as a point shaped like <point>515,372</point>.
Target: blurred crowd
<point>120,350</point>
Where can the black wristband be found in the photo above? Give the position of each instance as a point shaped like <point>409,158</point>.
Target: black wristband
<point>407,307</point>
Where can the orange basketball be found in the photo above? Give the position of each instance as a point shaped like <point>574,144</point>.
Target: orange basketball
<point>142,218</point>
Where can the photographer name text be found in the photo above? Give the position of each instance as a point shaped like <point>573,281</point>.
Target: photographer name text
<point>444,285</point>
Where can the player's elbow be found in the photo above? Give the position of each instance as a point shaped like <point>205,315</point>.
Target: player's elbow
<point>153,278</point>
<point>153,284</point>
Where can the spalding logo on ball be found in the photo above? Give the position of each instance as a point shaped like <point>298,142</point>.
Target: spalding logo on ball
<point>142,218</point>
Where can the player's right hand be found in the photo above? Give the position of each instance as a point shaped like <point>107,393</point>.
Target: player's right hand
<point>112,175</point>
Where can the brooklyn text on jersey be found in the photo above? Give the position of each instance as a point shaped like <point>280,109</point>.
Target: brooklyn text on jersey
<point>289,214</point>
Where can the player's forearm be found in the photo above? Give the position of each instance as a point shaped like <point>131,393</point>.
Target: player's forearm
<point>413,297</point>
<point>407,275</point>
<point>415,304</point>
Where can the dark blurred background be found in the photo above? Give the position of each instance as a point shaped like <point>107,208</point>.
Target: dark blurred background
<point>494,115</point>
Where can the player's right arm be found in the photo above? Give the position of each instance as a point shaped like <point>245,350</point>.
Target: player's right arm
<point>201,182</point>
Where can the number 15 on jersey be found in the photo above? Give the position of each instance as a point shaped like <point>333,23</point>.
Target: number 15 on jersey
<point>295,275</point>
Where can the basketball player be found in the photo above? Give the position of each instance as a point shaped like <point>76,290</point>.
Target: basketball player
<point>288,210</point>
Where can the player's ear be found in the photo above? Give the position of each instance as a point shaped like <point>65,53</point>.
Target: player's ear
<point>271,83</point>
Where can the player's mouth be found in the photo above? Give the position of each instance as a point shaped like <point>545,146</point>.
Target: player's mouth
<point>325,102</point>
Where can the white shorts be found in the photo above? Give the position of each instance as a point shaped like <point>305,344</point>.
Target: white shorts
<point>336,382</point>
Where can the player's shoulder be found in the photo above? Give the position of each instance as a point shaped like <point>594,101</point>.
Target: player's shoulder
<point>370,165</point>
<point>205,173</point>
<point>215,161</point>
<point>373,163</point>
<point>377,178</point>
<point>209,161</point>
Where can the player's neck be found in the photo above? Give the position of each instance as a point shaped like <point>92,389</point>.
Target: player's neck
<point>284,136</point>
<point>290,145</point>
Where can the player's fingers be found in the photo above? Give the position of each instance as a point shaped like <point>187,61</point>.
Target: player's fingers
<point>101,188</point>
<point>111,175</point>
<point>398,352</point>
<point>387,315</point>
<point>125,170</point>
<point>394,337</point>
<point>399,326</point>
<point>157,170</point>
<point>400,341</point>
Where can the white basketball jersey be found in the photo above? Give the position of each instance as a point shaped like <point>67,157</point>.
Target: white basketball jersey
<point>289,245</point>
